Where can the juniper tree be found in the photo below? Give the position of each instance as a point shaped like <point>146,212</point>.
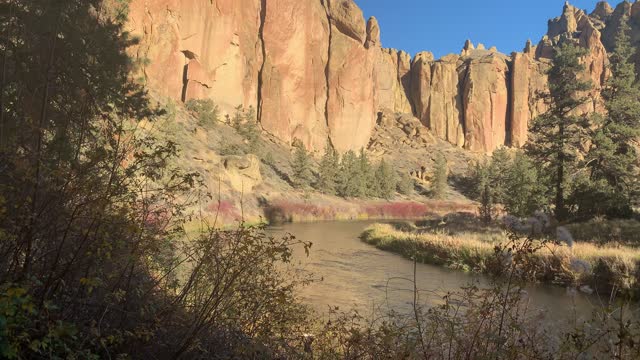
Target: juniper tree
<point>405,184</point>
<point>328,171</point>
<point>612,159</point>
<point>385,180</point>
<point>523,186</point>
<point>439,180</point>
<point>556,136</point>
<point>348,182</point>
<point>207,111</point>
<point>497,174</point>
<point>301,166</point>
<point>365,176</point>
<point>487,209</point>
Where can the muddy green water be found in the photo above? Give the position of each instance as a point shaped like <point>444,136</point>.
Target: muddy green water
<point>353,275</point>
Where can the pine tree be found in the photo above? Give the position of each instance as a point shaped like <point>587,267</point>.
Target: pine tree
<point>385,180</point>
<point>497,174</point>
<point>405,184</point>
<point>439,180</point>
<point>365,176</point>
<point>523,187</point>
<point>487,207</point>
<point>301,165</point>
<point>557,135</point>
<point>328,171</point>
<point>348,182</point>
<point>613,157</point>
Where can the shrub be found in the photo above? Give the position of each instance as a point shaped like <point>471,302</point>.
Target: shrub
<point>439,179</point>
<point>405,184</point>
<point>207,112</point>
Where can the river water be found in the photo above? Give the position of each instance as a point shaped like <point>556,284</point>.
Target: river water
<point>354,275</point>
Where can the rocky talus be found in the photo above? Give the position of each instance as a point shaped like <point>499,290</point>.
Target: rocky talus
<point>315,70</point>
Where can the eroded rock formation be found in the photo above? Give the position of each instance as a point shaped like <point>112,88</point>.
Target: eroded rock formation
<point>316,71</point>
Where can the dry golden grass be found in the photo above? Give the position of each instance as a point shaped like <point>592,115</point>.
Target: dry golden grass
<point>473,251</point>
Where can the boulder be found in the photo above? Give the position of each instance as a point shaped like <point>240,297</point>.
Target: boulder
<point>347,17</point>
<point>242,172</point>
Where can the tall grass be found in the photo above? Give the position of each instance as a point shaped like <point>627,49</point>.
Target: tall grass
<point>601,267</point>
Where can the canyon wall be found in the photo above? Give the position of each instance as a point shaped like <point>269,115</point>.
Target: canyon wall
<point>316,71</point>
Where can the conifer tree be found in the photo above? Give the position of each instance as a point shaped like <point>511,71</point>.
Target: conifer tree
<point>328,171</point>
<point>497,174</point>
<point>612,159</point>
<point>385,180</point>
<point>487,207</point>
<point>439,180</point>
<point>557,135</point>
<point>301,165</point>
<point>365,176</point>
<point>348,182</point>
<point>405,184</point>
<point>523,187</point>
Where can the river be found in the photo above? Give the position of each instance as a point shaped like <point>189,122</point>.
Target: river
<point>354,275</point>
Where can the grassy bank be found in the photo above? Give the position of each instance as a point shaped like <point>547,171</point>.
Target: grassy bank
<point>603,268</point>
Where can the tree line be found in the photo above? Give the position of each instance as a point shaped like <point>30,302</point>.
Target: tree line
<point>354,175</point>
<point>578,165</point>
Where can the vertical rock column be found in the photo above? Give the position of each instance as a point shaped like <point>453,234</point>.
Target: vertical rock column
<point>294,86</point>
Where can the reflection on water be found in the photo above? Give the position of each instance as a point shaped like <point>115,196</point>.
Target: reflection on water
<point>352,274</point>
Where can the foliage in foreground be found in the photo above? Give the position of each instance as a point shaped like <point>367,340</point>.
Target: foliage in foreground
<point>94,262</point>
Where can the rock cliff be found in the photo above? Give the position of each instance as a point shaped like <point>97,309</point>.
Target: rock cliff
<point>316,71</point>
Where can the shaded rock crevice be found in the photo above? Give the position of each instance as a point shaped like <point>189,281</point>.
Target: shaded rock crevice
<point>260,85</point>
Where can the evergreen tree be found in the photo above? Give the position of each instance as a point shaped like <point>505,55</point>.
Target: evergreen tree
<point>385,180</point>
<point>405,184</point>
<point>365,176</point>
<point>612,159</point>
<point>328,171</point>
<point>557,135</point>
<point>348,183</point>
<point>487,207</point>
<point>439,179</point>
<point>207,111</point>
<point>525,193</point>
<point>497,174</point>
<point>301,166</point>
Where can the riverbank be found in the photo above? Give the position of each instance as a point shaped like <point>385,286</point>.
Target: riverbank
<point>583,265</point>
<point>294,210</point>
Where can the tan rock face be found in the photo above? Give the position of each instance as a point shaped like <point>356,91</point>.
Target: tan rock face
<point>445,103</point>
<point>347,17</point>
<point>221,35</point>
<point>528,80</point>
<point>315,71</point>
<point>242,172</point>
<point>350,108</point>
<point>485,101</point>
<point>373,33</point>
<point>421,85</point>
<point>294,85</point>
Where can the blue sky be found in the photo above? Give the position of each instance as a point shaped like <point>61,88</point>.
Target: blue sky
<point>442,26</point>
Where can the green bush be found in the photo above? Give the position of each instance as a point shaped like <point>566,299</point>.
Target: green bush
<point>208,113</point>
